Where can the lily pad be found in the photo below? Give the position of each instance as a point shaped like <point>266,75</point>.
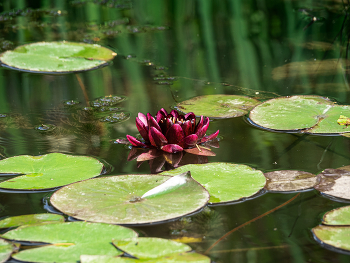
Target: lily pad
<point>225,182</point>
<point>145,247</point>
<point>218,106</point>
<point>117,199</point>
<point>56,57</point>
<point>337,217</point>
<point>307,114</point>
<point>337,237</point>
<point>289,180</point>
<point>68,240</point>
<point>175,258</point>
<point>335,182</point>
<point>6,250</point>
<point>30,220</point>
<point>48,171</point>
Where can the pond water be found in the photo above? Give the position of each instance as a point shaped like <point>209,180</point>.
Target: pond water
<point>170,51</point>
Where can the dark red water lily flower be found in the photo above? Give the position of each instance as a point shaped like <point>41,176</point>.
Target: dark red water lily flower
<point>172,132</point>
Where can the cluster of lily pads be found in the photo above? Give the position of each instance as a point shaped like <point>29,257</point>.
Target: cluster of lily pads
<point>145,198</point>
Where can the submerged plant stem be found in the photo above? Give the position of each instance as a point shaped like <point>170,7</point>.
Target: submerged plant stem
<point>250,221</point>
<point>82,86</point>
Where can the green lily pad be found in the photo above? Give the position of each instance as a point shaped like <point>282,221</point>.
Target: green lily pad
<point>146,247</point>
<point>30,220</point>
<point>289,180</point>
<point>335,182</point>
<point>307,114</point>
<point>218,106</point>
<point>48,171</point>
<point>68,240</point>
<point>337,237</point>
<point>225,182</point>
<point>337,217</point>
<point>56,57</point>
<point>118,199</point>
<point>6,250</point>
<point>175,258</point>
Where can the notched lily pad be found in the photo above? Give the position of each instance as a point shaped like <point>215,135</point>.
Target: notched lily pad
<point>30,220</point>
<point>218,106</point>
<point>145,247</point>
<point>68,240</point>
<point>334,237</point>
<point>56,57</point>
<point>225,182</point>
<point>305,114</point>
<point>289,180</point>
<point>47,171</point>
<point>335,182</point>
<point>118,199</point>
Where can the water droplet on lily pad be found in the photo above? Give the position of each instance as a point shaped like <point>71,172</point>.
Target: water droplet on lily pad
<point>68,240</point>
<point>225,182</point>
<point>3,115</point>
<point>306,114</point>
<point>218,106</point>
<point>117,199</point>
<point>289,180</point>
<point>56,57</point>
<point>55,169</point>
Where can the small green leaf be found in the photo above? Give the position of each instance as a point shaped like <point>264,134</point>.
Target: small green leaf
<point>30,220</point>
<point>337,237</point>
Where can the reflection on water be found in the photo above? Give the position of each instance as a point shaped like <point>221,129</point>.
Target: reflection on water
<point>170,51</point>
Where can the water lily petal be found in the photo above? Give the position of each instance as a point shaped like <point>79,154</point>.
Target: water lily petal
<point>188,127</point>
<point>201,151</point>
<point>175,114</point>
<point>190,116</point>
<point>175,134</point>
<point>149,155</point>
<point>190,141</point>
<point>201,131</point>
<point>199,124</point>
<point>142,117</point>
<point>165,125</point>
<point>156,138</point>
<point>135,142</point>
<point>173,158</point>
<point>152,122</point>
<point>162,113</point>
<point>143,130</point>
<point>210,137</point>
<point>172,148</point>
